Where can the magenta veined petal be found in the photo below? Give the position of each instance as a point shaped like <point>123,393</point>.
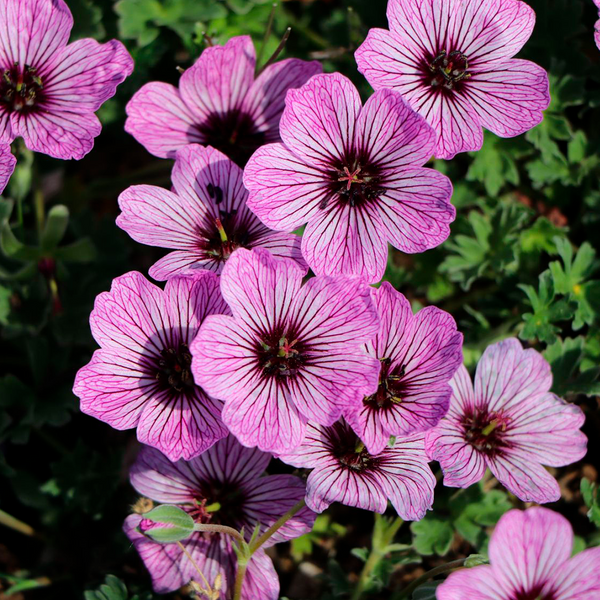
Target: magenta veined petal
<point>141,377</point>
<point>510,423</point>
<point>7,165</point>
<point>453,63</point>
<point>354,175</point>
<point>289,353</point>
<point>231,477</point>
<point>61,85</point>
<point>218,103</point>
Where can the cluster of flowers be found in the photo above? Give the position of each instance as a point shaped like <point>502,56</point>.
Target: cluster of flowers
<point>236,359</point>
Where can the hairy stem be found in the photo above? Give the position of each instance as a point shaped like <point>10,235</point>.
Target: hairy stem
<point>254,546</point>
<point>239,581</point>
<point>406,593</point>
<point>219,529</point>
<point>378,551</point>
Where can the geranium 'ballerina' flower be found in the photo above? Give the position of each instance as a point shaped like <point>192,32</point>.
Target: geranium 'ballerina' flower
<point>530,559</point>
<point>452,62</point>
<point>49,91</point>
<point>344,471</point>
<point>7,165</point>
<point>205,216</point>
<point>223,486</point>
<point>418,355</point>
<point>291,352</point>
<point>355,174</point>
<point>510,423</point>
<point>141,376</point>
<point>219,103</point>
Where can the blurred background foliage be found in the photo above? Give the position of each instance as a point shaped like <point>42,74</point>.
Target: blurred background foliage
<point>522,259</point>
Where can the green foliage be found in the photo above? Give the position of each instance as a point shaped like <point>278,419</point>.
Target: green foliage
<point>113,589</point>
<point>466,513</point>
<point>589,491</point>
<point>324,530</point>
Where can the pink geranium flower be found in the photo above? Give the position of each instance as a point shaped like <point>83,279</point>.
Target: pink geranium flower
<point>141,376</point>
<point>49,91</point>
<point>205,217</point>
<point>219,103</point>
<point>344,471</point>
<point>289,353</point>
<point>452,62</point>
<point>7,165</point>
<point>510,423</point>
<point>418,355</point>
<point>227,480</point>
<point>530,556</point>
<point>354,174</point>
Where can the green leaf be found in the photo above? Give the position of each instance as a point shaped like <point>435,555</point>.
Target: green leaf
<point>432,535</point>
<point>15,249</point>
<point>81,251</point>
<point>112,589</point>
<point>589,491</point>
<point>427,591</point>
<point>57,222</point>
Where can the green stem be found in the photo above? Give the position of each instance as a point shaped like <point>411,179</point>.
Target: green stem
<point>239,581</point>
<point>10,521</point>
<point>207,528</point>
<point>38,206</point>
<point>378,551</point>
<point>267,34</point>
<point>254,546</point>
<point>455,564</point>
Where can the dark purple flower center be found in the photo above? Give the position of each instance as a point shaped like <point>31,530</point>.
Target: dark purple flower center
<point>233,133</point>
<point>391,388</point>
<point>353,182</point>
<point>534,594</point>
<point>347,448</point>
<point>447,70</point>
<point>486,431</point>
<point>20,88</point>
<point>218,502</point>
<point>174,369</point>
<point>281,354</point>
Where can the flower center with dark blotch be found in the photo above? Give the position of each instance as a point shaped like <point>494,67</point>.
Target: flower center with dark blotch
<point>353,182</point>
<point>218,502</point>
<point>534,594</point>
<point>174,368</point>
<point>391,388</point>
<point>447,70</point>
<point>348,449</point>
<point>486,431</point>
<point>233,133</point>
<point>281,354</point>
<point>21,88</point>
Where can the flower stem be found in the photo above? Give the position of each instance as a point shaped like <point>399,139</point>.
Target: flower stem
<point>195,564</point>
<point>406,592</point>
<point>10,521</point>
<point>254,546</point>
<point>382,538</point>
<point>267,34</point>
<point>278,50</point>
<point>219,529</point>
<point>239,581</point>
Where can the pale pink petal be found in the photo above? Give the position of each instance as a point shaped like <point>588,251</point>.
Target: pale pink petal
<point>6,133</point>
<point>268,498</point>
<point>181,426</point>
<point>265,100</point>
<point>7,165</point>
<point>255,279</point>
<point>528,547</point>
<point>330,483</point>
<point>344,240</point>
<point>318,122</point>
<point>391,134</point>
<point>63,135</point>
<point>261,579</point>
<point>182,262</point>
<point>475,583</point>
<point>579,577</point>
<point>405,477</point>
<point>282,245</point>
<point>507,375</point>
<point>285,192</point>
<point>85,74</point>
<point>510,99</point>
<point>220,79</point>
<point>415,210</point>
<point>264,415</point>
<point>33,31</point>
<point>159,119</point>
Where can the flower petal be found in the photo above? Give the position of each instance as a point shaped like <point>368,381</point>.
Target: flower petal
<point>319,119</point>
<point>7,165</point>
<point>579,577</point>
<point>476,582</point>
<point>159,119</point>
